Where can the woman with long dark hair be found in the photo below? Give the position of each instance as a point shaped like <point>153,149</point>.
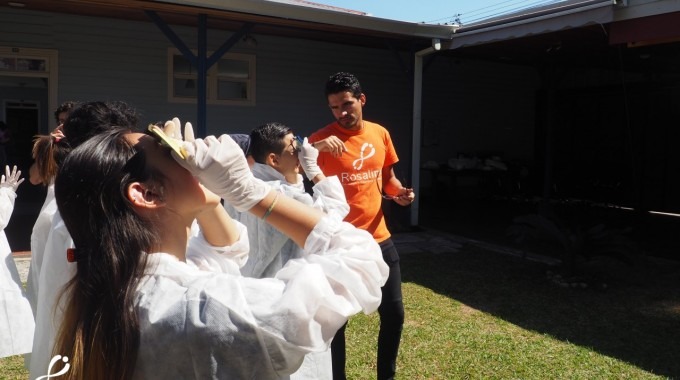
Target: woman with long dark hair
<point>140,307</point>
<point>47,154</point>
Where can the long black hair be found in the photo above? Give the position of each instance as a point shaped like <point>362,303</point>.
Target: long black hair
<point>100,331</point>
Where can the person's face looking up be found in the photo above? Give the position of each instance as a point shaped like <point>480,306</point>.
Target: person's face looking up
<point>182,194</point>
<point>61,119</point>
<point>347,109</point>
<point>288,162</point>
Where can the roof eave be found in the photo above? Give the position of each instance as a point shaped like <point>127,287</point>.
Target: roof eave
<point>323,16</point>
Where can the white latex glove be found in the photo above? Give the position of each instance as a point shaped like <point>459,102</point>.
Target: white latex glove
<point>221,166</point>
<point>11,179</point>
<point>308,156</point>
<point>173,128</point>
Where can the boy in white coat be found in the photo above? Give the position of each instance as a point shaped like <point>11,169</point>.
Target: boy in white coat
<point>16,318</point>
<point>278,156</point>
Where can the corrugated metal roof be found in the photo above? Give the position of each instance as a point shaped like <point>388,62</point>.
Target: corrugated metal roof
<point>311,4</point>
<point>296,10</point>
<point>567,14</point>
<point>289,18</point>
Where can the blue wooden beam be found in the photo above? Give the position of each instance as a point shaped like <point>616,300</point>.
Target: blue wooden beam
<point>174,38</point>
<point>202,85</point>
<point>228,44</point>
<point>200,60</point>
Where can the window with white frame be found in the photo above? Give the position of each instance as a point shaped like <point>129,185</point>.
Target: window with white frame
<point>230,81</point>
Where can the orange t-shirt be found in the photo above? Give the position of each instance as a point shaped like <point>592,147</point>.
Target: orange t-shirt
<point>360,172</point>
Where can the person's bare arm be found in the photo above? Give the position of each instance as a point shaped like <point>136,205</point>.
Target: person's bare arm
<point>293,218</point>
<point>393,188</point>
<point>331,144</point>
<point>218,228</point>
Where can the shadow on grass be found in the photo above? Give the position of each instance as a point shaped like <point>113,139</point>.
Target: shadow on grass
<point>634,321</point>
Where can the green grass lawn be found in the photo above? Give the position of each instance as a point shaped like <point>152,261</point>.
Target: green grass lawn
<point>476,314</point>
<point>481,315</point>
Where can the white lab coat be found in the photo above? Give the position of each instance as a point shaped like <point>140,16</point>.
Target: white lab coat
<point>270,249</point>
<point>197,324</point>
<point>58,271</point>
<point>52,282</point>
<point>41,229</point>
<point>16,322</point>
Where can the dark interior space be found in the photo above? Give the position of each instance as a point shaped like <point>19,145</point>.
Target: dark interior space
<point>485,212</point>
<point>606,128</point>
<point>23,123</point>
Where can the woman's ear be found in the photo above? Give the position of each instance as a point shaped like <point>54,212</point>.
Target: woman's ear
<point>140,196</point>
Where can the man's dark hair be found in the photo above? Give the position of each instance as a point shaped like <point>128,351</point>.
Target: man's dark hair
<point>91,118</point>
<point>341,82</point>
<point>267,138</point>
<point>64,107</point>
<point>243,140</point>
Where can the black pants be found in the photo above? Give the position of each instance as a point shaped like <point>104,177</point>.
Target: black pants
<point>391,313</point>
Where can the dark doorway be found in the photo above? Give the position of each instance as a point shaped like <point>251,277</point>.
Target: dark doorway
<point>23,120</point>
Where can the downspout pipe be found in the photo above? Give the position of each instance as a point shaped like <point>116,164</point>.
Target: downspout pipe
<point>417,124</point>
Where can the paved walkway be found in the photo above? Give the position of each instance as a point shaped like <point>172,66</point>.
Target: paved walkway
<point>433,241</point>
<point>23,261</point>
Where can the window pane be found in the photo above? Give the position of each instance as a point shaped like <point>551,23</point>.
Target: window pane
<point>28,64</point>
<point>182,66</point>
<point>227,90</point>
<point>185,88</point>
<point>8,63</point>
<point>233,68</point>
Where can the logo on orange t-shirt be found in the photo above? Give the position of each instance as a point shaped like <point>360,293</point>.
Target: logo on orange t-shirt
<point>359,162</point>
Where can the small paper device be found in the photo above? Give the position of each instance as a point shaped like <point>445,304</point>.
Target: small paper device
<point>298,143</point>
<point>167,141</point>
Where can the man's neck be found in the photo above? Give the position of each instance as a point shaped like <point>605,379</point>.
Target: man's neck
<point>355,128</point>
<point>291,177</point>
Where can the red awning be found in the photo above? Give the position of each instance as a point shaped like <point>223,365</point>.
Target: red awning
<point>650,30</point>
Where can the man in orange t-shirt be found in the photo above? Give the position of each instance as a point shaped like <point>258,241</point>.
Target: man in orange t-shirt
<point>361,154</point>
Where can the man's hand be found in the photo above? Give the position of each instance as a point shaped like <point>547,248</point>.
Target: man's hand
<point>331,144</point>
<point>404,197</point>
<point>11,179</point>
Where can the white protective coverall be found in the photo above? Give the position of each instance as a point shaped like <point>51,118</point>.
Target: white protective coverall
<point>197,324</point>
<point>16,322</point>
<point>57,272</point>
<point>270,249</point>
<point>52,281</point>
<point>41,229</point>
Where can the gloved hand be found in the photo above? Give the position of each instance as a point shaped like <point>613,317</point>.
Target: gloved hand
<point>221,166</point>
<point>308,156</point>
<point>173,128</point>
<point>11,180</point>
